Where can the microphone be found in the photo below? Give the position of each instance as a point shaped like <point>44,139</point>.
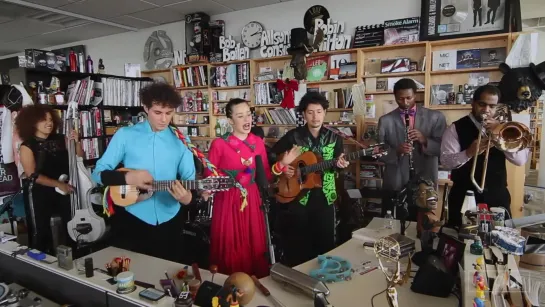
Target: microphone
<point>260,177</point>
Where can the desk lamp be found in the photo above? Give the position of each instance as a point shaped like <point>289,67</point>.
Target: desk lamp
<point>392,249</point>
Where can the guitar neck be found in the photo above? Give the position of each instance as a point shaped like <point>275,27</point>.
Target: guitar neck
<point>332,163</point>
<point>164,185</point>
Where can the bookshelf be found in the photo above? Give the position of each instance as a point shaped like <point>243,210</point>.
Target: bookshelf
<point>95,130</point>
<point>382,96</point>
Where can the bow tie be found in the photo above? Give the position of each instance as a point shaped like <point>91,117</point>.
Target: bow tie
<point>411,112</point>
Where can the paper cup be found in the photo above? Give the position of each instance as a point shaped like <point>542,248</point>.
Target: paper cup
<point>499,216</point>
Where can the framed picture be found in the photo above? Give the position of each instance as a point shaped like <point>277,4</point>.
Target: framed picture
<point>444,19</point>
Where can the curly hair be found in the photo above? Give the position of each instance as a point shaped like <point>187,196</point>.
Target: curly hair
<point>161,94</point>
<point>312,98</point>
<point>28,117</point>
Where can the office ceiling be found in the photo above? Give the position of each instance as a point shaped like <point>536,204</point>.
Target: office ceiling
<point>44,23</point>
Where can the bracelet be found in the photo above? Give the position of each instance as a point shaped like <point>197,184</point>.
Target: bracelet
<point>275,170</point>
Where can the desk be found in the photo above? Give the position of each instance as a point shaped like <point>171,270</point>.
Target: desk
<point>357,292</point>
<point>29,300</point>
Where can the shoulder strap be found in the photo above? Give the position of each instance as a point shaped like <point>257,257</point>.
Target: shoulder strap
<point>211,167</point>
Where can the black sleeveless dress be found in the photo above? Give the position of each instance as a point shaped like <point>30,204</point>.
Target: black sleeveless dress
<point>51,157</point>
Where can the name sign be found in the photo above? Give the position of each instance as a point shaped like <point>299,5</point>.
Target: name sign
<point>232,51</point>
<point>274,43</point>
<point>334,39</point>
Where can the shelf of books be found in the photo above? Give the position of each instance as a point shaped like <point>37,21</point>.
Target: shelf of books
<point>446,71</point>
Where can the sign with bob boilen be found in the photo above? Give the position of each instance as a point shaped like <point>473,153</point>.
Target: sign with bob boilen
<point>232,51</point>
<point>334,37</point>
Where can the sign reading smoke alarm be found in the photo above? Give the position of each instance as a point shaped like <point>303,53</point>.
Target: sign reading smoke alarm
<point>158,51</point>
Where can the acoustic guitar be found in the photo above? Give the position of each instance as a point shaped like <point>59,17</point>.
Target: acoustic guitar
<point>126,195</point>
<point>307,173</point>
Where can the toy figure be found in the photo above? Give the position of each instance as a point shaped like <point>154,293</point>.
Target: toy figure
<point>476,278</point>
<point>477,302</point>
<point>481,287</point>
<point>197,38</point>
<point>215,301</point>
<point>300,49</point>
<point>428,224</point>
<point>476,247</point>
<point>234,297</point>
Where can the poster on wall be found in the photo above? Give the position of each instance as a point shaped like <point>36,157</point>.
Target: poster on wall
<point>443,19</point>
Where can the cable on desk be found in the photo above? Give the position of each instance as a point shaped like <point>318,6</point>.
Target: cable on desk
<point>373,297</point>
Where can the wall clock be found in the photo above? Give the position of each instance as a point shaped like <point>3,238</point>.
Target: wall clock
<point>251,34</point>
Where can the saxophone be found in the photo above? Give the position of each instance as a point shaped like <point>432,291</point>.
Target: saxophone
<point>408,140</point>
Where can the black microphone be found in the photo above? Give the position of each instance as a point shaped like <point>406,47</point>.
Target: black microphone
<point>260,177</point>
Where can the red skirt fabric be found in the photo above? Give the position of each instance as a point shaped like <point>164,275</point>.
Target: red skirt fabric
<point>238,242</point>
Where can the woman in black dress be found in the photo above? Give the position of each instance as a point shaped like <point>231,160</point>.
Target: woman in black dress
<point>44,157</point>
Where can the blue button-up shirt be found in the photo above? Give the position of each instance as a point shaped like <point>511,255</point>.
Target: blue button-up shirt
<point>162,154</point>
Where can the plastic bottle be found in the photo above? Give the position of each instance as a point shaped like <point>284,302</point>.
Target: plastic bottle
<point>469,205</point>
<point>388,220</point>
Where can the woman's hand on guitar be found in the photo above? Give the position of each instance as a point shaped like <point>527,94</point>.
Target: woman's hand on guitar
<point>291,155</point>
<point>179,193</point>
<point>341,162</point>
<point>140,178</point>
<point>65,187</point>
<point>289,172</point>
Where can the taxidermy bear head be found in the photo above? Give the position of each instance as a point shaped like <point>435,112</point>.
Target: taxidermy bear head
<point>520,87</point>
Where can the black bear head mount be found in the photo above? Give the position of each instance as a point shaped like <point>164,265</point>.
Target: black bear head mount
<point>521,87</point>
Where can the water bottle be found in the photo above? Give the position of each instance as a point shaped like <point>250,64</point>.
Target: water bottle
<point>388,220</point>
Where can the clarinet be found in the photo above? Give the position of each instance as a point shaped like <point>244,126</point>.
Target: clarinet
<point>407,127</point>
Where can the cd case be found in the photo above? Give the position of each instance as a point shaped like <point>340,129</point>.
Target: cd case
<point>406,245</point>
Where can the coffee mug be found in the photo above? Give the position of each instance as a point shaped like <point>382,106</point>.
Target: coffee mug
<point>125,282</point>
<point>499,216</point>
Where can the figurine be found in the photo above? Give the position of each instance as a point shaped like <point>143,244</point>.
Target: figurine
<point>215,301</point>
<point>197,38</point>
<point>477,302</point>
<point>428,224</point>
<point>476,278</point>
<point>481,287</point>
<point>300,49</point>
<point>234,297</point>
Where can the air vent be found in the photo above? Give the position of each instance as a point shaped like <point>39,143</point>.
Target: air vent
<point>57,19</point>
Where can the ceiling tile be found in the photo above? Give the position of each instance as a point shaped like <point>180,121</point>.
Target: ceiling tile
<point>24,27</point>
<point>15,11</point>
<point>53,3</point>
<point>244,4</point>
<point>206,6</point>
<point>14,47</point>
<point>74,34</point>
<point>105,9</point>
<point>164,2</point>
<point>130,21</point>
<point>160,15</point>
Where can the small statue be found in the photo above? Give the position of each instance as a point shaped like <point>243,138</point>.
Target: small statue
<point>234,297</point>
<point>428,224</point>
<point>477,302</point>
<point>300,49</point>
<point>215,301</point>
<point>197,38</point>
<point>480,288</point>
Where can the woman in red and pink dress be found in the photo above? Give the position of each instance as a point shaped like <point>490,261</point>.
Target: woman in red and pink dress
<point>238,242</point>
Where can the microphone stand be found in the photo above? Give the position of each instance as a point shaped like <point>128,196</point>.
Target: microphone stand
<point>265,207</point>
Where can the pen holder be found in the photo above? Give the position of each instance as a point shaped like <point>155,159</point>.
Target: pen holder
<point>125,282</point>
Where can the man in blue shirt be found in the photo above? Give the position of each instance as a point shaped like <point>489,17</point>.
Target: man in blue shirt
<point>153,152</point>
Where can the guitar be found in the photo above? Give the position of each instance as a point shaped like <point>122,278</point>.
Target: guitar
<point>306,176</point>
<point>85,224</point>
<point>126,195</point>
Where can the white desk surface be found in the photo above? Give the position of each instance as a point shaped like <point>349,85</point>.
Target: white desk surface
<point>357,292</point>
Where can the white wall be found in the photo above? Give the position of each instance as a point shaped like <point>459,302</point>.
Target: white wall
<point>287,15</point>
<point>118,49</point>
